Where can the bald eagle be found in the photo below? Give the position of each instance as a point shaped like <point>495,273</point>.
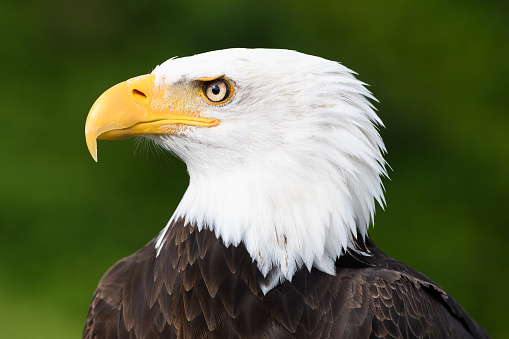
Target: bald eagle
<point>270,239</point>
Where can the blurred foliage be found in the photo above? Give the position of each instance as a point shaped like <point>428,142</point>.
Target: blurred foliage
<point>439,68</point>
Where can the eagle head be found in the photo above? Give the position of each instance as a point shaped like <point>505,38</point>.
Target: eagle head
<point>282,150</point>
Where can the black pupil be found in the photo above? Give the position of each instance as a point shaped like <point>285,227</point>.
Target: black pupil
<point>216,89</point>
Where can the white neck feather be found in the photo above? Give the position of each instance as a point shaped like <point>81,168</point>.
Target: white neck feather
<point>299,201</point>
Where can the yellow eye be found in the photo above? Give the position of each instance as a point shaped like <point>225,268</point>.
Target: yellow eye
<point>217,91</point>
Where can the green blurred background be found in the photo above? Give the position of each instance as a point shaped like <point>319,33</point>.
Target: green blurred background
<point>439,68</point>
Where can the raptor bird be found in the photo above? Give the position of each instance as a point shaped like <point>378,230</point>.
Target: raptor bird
<point>270,239</point>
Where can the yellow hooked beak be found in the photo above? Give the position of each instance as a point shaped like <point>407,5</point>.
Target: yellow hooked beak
<point>135,107</point>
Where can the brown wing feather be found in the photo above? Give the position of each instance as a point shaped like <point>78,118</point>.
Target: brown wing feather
<point>416,304</point>
<point>199,288</point>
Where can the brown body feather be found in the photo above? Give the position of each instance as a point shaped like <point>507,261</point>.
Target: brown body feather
<point>199,288</point>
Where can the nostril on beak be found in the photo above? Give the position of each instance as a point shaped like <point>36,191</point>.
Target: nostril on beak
<point>138,95</point>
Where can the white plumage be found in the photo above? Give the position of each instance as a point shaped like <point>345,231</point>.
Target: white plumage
<point>295,166</point>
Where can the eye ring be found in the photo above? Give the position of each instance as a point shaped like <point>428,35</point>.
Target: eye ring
<point>217,91</point>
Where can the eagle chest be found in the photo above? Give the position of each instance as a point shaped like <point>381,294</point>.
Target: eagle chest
<point>197,287</point>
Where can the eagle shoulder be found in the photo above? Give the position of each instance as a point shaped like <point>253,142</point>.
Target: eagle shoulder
<point>405,303</point>
<point>122,305</point>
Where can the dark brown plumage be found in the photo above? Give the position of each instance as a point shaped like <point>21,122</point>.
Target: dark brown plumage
<point>199,288</point>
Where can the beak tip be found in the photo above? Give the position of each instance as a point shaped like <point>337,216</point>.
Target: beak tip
<point>92,148</point>
<point>94,154</point>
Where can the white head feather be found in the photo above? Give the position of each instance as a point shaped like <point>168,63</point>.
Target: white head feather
<point>295,166</point>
